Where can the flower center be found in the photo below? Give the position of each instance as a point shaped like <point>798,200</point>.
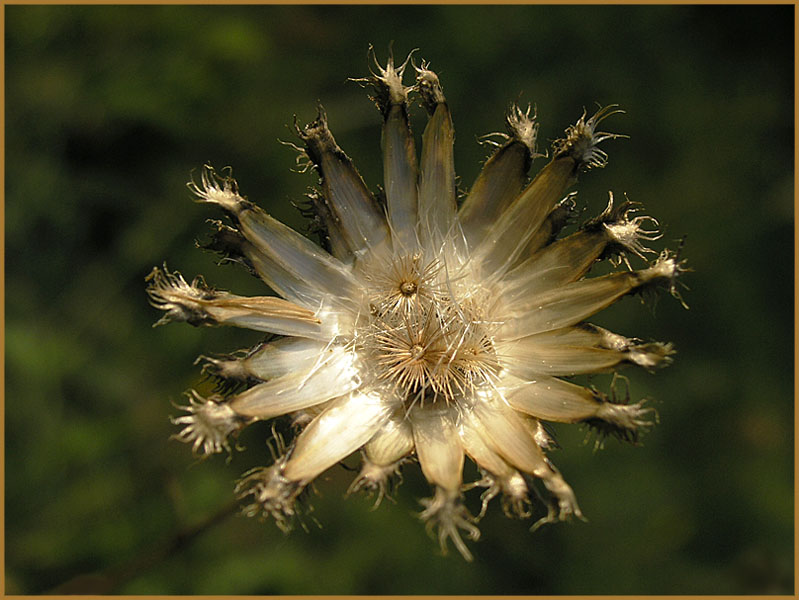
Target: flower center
<point>425,335</point>
<point>408,288</point>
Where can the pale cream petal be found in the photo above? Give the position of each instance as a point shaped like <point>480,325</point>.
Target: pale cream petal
<point>346,425</point>
<point>617,230</point>
<point>526,358</point>
<point>383,455</point>
<point>574,350</point>
<point>261,313</point>
<point>290,263</point>
<point>583,334</point>
<point>478,450</point>
<point>232,244</point>
<point>286,282</point>
<point>287,355</point>
<point>438,446</point>
<point>553,399</point>
<point>392,442</point>
<point>400,170</point>
<point>576,301</point>
<point>331,376</point>
<point>556,400</point>
<point>498,475</point>
<point>270,360</point>
<point>505,432</point>
<point>200,305</point>
<point>302,266</point>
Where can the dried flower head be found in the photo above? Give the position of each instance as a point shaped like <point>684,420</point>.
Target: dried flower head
<point>426,329</point>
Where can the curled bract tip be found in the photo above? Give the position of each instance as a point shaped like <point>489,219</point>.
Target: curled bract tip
<point>582,139</point>
<point>522,126</point>
<point>446,513</point>
<point>208,424</point>
<point>386,82</point>
<point>216,187</point>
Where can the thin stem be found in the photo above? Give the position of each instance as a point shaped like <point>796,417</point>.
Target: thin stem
<point>113,578</point>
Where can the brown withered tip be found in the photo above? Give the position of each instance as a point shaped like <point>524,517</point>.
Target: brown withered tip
<point>429,87</point>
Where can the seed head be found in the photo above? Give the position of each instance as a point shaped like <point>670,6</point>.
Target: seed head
<point>427,330</point>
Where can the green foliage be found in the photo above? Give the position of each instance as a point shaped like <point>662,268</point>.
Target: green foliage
<point>108,111</point>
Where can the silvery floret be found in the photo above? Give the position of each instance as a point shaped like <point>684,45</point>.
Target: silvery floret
<point>423,328</point>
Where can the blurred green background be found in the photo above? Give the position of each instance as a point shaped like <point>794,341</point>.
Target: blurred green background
<point>110,109</point>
